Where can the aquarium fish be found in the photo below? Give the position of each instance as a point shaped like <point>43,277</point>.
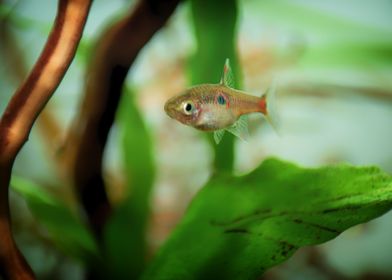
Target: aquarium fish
<point>220,107</point>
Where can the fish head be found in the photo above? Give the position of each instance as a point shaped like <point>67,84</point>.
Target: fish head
<point>183,108</point>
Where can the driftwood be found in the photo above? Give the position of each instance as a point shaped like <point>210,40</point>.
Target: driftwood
<point>83,150</point>
<point>23,109</point>
<point>115,52</point>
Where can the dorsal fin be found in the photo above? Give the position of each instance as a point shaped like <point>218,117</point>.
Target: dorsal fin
<point>227,75</point>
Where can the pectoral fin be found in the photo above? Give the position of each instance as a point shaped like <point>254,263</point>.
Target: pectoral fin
<point>240,128</point>
<point>227,76</point>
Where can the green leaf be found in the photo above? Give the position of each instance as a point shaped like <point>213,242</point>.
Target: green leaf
<point>237,227</point>
<point>215,32</point>
<point>125,233</point>
<point>66,231</point>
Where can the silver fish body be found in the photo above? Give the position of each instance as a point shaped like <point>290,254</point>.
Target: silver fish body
<point>217,107</point>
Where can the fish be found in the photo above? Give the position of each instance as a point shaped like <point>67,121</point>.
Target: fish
<point>220,107</point>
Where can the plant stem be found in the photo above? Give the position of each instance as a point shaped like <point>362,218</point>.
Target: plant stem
<point>116,50</point>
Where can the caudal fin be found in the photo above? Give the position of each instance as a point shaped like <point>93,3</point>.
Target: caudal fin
<point>270,100</point>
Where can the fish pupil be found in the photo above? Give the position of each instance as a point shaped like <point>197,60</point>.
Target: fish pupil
<point>188,107</point>
<point>221,100</point>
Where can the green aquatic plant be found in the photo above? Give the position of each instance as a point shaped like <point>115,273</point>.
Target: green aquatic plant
<point>236,227</point>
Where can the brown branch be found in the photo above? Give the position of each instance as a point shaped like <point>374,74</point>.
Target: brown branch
<point>13,57</point>
<point>23,109</point>
<point>115,53</point>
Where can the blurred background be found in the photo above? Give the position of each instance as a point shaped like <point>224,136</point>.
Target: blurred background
<point>332,61</point>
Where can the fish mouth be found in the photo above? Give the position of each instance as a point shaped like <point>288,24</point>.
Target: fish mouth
<point>170,109</point>
<point>173,111</point>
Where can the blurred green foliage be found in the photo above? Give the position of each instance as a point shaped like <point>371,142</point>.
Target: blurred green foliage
<point>237,227</point>
<point>125,234</point>
<point>64,227</point>
<point>332,40</point>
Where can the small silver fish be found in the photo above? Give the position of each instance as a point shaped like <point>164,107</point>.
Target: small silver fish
<point>220,107</point>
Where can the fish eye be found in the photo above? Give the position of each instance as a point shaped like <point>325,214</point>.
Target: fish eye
<point>188,108</point>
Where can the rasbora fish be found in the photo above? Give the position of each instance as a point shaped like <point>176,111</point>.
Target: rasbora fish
<point>220,107</point>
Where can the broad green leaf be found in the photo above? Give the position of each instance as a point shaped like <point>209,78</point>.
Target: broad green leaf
<point>237,227</point>
<point>215,32</point>
<point>125,233</point>
<point>66,231</point>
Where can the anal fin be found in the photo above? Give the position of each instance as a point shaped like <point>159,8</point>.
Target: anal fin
<point>240,128</point>
<point>218,135</point>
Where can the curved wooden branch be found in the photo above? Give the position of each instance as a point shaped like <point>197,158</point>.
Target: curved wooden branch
<point>107,71</point>
<point>22,111</point>
<point>14,60</point>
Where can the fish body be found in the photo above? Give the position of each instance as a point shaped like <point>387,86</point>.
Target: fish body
<point>217,107</point>
<point>213,106</point>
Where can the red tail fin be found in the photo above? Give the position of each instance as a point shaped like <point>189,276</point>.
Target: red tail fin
<point>263,104</point>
